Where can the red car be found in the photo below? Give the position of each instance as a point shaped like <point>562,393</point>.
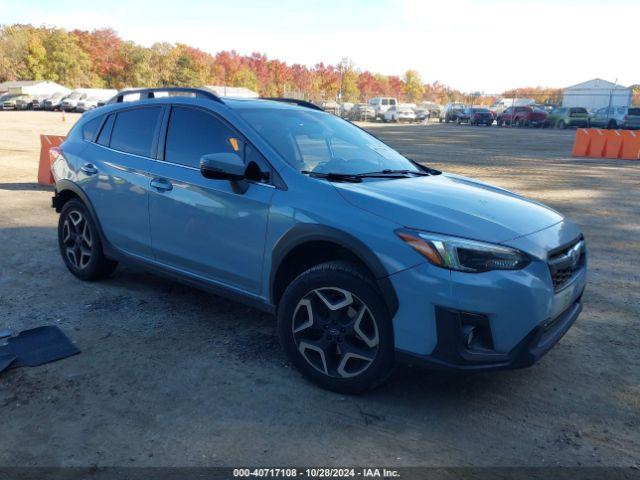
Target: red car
<point>522,117</point>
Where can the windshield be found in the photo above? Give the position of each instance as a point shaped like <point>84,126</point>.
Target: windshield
<point>319,142</point>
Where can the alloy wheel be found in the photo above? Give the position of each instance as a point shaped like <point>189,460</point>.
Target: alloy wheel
<point>77,240</point>
<point>335,332</point>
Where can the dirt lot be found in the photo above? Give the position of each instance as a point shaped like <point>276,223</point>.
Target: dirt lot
<point>169,375</point>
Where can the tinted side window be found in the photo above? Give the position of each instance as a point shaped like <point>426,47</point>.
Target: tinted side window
<point>193,133</point>
<point>133,130</point>
<point>90,129</point>
<point>105,133</point>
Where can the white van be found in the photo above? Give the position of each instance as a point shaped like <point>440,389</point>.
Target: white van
<point>381,105</point>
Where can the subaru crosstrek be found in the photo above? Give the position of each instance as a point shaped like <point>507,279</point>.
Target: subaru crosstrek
<point>366,257</point>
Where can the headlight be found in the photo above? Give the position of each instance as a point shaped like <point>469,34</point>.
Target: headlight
<point>464,255</point>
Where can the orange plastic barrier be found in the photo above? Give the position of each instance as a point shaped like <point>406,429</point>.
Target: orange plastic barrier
<point>47,142</point>
<point>581,143</point>
<point>598,142</point>
<point>631,145</point>
<point>613,148</point>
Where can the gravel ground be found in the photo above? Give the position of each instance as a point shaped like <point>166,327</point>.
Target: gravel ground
<point>172,376</point>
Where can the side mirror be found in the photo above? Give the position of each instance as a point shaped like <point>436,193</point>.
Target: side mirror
<point>223,166</point>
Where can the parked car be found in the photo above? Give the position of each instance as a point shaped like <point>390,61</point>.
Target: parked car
<point>345,108</point>
<point>362,112</point>
<point>400,113</point>
<point>522,117</point>
<point>54,102</point>
<point>15,102</point>
<point>70,102</point>
<point>304,215</point>
<point>330,106</point>
<point>451,112</point>
<point>24,102</point>
<point>88,103</point>
<point>502,104</point>
<point>616,117</point>
<point>37,102</point>
<point>426,110</point>
<point>563,117</point>
<point>7,97</point>
<point>381,105</point>
<point>476,116</point>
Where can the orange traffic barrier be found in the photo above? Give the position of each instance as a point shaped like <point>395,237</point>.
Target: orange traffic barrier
<point>597,144</point>
<point>581,143</point>
<point>47,142</point>
<point>613,148</point>
<point>631,145</point>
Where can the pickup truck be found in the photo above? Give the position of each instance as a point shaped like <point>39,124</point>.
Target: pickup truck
<point>522,117</point>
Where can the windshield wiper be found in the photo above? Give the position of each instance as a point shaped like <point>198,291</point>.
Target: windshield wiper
<point>334,177</point>
<point>357,177</point>
<point>388,171</point>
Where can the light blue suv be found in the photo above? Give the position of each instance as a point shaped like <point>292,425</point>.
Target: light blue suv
<point>366,257</point>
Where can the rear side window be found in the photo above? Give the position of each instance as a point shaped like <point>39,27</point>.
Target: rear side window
<point>90,129</point>
<point>133,130</point>
<point>105,133</point>
<point>193,133</point>
<point>634,111</point>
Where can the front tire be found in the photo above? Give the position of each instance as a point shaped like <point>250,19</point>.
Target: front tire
<point>336,329</point>
<point>80,245</point>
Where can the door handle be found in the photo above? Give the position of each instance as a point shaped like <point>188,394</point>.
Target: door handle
<point>89,169</point>
<point>161,184</point>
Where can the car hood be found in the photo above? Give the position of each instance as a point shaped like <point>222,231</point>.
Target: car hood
<point>453,205</point>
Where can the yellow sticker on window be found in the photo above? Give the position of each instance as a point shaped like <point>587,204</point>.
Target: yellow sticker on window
<point>235,144</point>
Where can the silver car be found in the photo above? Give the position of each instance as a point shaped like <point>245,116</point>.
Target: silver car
<point>616,117</point>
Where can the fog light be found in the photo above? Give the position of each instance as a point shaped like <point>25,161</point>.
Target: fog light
<point>468,333</point>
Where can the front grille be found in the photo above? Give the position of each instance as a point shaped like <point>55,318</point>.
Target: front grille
<point>565,262</point>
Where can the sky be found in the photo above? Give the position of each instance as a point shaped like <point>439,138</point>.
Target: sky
<point>473,45</point>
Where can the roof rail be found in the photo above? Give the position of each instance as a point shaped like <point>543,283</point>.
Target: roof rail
<point>301,103</point>
<point>146,93</point>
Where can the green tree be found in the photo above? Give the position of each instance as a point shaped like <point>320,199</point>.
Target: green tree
<point>14,47</point>
<point>67,63</point>
<point>413,88</point>
<point>244,77</point>
<point>36,59</point>
<point>137,68</point>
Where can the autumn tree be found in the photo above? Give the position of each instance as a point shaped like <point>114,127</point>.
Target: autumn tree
<point>413,88</point>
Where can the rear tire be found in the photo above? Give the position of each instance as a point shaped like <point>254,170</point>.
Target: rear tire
<point>79,243</point>
<point>336,329</point>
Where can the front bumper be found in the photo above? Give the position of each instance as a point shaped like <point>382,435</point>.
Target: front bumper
<point>452,353</point>
<point>519,312</point>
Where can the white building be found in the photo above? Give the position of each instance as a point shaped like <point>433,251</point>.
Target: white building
<point>596,93</point>
<point>32,87</point>
<point>238,92</point>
